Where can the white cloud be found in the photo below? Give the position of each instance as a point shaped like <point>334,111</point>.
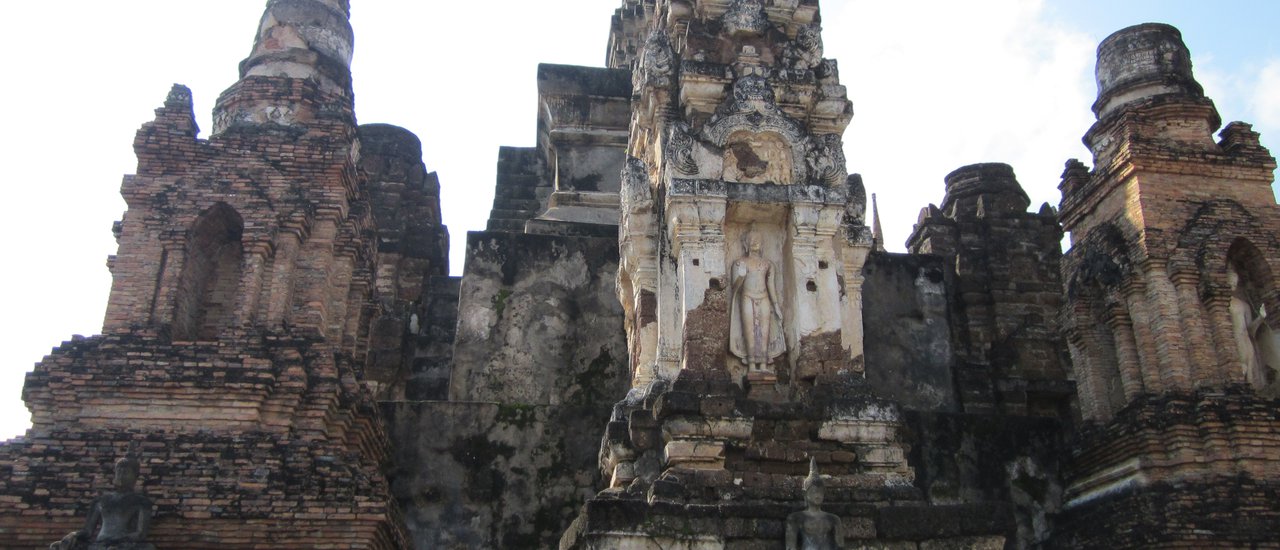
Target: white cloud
<point>1265,99</point>
<point>937,86</point>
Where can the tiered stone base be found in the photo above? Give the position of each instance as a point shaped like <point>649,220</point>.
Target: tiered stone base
<point>619,523</point>
<point>211,491</point>
<point>705,463</point>
<point>256,441</point>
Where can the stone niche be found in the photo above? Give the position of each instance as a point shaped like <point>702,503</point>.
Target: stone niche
<point>766,221</point>
<point>797,228</point>
<point>757,157</point>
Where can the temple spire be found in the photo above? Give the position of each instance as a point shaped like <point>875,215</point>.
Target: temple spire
<point>877,233</point>
<point>307,42</point>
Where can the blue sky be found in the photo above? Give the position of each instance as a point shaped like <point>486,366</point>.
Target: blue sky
<point>936,84</point>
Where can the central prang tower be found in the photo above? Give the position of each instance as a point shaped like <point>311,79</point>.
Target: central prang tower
<point>742,235</point>
<point>743,242</point>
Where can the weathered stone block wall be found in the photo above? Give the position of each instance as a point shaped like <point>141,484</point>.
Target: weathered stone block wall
<point>413,246</point>
<point>1013,358</point>
<point>583,119</point>
<point>633,524</point>
<point>907,309</point>
<point>538,361</point>
<point>537,314</point>
<point>521,191</point>
<point>489,475</point>
<point>432,339</point>
<point>972,458</point>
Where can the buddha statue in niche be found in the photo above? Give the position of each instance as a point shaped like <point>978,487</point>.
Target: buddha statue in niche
<point>1257,344</point>
<point>755,317</point>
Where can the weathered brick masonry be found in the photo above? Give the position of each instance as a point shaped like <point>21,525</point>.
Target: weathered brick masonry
<point>285,353</point>
<point>234,344</point>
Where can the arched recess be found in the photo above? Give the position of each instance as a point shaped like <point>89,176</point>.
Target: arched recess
<point>207,288</point>
<point>761,135</point>
<point>1254,317</point>
<point>1097,322</point>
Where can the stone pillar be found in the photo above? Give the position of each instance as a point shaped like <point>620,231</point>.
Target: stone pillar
<point>256,256</point>
<point>279,299</point>
<point>852,332</point>
<point>697,233</point>
<point>312,277</point>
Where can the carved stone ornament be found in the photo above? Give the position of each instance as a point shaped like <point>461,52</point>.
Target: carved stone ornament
<point>119,519</point>
<point>746,18</point>
<point>680,144</point>
<point>751,109</point>
<point>826,160</point>
<point>658,61</point>
<point>811,528</point>
<point>855,206</point>
<point>636,194</point>
<point>805,52</point>
<point>752,94</point>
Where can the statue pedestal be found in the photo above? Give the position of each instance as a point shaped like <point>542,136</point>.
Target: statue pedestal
<point>763,386</point>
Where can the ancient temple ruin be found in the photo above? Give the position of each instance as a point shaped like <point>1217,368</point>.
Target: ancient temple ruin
<point>678,330</point>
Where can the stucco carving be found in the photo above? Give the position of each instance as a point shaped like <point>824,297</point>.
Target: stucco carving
<point>805,52</point>
<point>755,334</point>
<point>680,144</point>
<point>751,116</point>
<point>657,63</point>
<point>826,159</point>
<point>636,194</point>
<point>746,18</point>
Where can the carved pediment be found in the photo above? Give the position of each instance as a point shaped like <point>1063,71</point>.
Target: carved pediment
<point>760,143</point>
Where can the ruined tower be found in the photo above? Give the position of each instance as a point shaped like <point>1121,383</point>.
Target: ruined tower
<point>677,330</point>
<point>1171,288</point>
<point>1011,356</point>
<point>743,242</point>
<point>238,323</point>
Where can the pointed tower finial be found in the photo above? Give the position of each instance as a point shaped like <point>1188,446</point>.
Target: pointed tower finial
<point>304,39</point>
<point>308,41</point>
<point>877,233</point>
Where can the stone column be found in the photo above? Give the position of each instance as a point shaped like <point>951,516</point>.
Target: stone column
<point>256,256</point>
<point>173,257</point>
<point>312,277</point>
<point>279,291</point>
<point>852,331</point>
<point>1170,338</point>
<point>1128,360</point>
<point>1144,339</point>
<point>1199,341</point>
<point>697,233</point>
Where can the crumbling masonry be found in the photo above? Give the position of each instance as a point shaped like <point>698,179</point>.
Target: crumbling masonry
<point>677,330</point>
